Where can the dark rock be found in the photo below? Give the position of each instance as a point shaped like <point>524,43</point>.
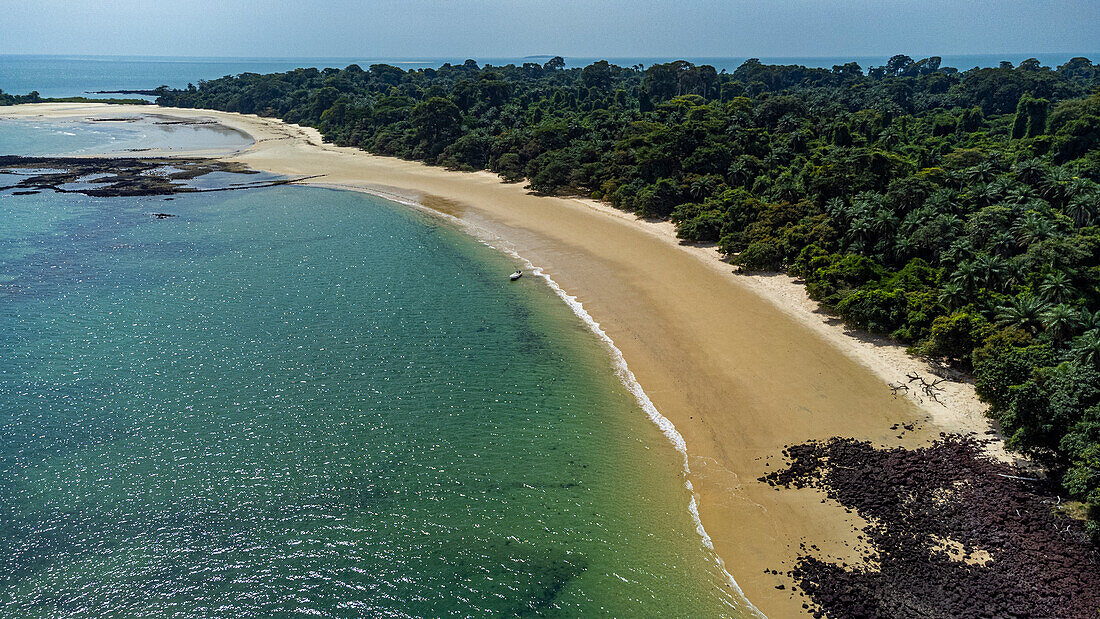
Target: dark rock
<point>1040,564</point>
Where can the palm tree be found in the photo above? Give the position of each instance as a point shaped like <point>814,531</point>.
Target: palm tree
<point>1025,312</point>
<point>787,123</point>
<point>1056,287</point>
<point>952,295</point>
<point>906,247</point>
<point>702,187</point>
<point>944,201</point>
<point>966,276</point>
<point>889,138</point>
<point>859,233</point>
<point>1032,228</point>
<point>1030,170</point>
<point>1060,321</point>
<point>993,270</point>
<point>739,173</point>
<point>985,194</point>
<point>835,207</point>
<point>786,187</point>
<point>883,223</point>
<point>981,173</point>
<point>1086,347</point>
<point>1054,182</point>
<point>1020,194</point>
<point>1000,186</point>
<point>1078,186</point>
<point>1082,209</point>
<point>958,252</point>
<point>1002,244</point>
<point>1090,320</point>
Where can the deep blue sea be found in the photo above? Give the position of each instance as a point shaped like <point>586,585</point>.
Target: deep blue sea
<point>62,76</point>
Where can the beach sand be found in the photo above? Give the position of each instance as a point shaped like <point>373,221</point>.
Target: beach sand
<point>743,365</point>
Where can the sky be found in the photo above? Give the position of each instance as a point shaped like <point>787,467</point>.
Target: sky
<point>579,28</point>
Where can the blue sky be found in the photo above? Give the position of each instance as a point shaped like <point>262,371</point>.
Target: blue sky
<point>608,28</point>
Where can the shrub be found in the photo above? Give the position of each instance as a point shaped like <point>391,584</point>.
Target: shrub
<point>877,311</point>
<point>765,255</point>
<point>830,277</point>
<point>956,336</point>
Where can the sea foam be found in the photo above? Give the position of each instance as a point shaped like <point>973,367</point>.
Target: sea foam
<point>622,370</point>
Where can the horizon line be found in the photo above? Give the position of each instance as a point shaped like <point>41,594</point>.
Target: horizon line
<point>415,59</point>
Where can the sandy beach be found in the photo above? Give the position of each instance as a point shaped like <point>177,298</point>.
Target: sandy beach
<point>743,365</point>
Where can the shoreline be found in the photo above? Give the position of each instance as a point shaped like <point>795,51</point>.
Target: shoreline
<point>622,369</point>
<point>738,379</point>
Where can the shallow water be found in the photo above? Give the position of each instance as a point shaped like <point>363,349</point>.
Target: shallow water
<point>296,400</point>
<point>123,134</point>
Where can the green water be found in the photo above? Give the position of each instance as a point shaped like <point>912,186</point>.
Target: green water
<point>303,402</point>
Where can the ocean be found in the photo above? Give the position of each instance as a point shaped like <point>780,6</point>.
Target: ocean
<point>302,401</point>
<point>65,76</point>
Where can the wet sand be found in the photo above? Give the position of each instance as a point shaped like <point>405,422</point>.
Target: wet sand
<point>743,366</point>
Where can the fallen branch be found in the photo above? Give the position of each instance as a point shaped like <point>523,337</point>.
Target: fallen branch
<point>931,389</point>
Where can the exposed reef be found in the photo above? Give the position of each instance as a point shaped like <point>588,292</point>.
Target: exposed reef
<point>127,176</point>
<point>951,534</point>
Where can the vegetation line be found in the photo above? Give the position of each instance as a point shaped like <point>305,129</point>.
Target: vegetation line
<point>955,211</point>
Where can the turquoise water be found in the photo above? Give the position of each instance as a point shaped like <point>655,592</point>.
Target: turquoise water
<point>64,76</point>
<point>295,401</point>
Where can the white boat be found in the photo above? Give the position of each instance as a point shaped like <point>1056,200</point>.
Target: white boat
<point>514,276</point>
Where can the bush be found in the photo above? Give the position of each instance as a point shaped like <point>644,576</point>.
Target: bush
<point>509,167</point>
<point>829,278</point>
<point>701,227</point>
<point>799,267</point>
<point>997,375</point>
<point>877,311</point>
<point>765,255</point>
<point>956,336</point>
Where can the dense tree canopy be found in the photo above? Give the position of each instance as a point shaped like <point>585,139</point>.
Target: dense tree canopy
<point>9,99</point>
<point>955,211</point>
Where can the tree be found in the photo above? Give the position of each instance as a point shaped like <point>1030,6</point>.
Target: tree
<point>1060,321</point>
<point>897,63</point>
<point>597,75</point>
<point>437,121</point>
<point>1086,347</point>
<point>1031,117</point>
<point>557,63</point>
<point>1023,312</point>
<point>1056,287</point>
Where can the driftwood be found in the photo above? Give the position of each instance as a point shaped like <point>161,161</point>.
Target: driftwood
<point>931,390</point>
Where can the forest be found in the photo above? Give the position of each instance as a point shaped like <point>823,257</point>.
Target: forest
<point>34,97</point>
<point>956,211</point>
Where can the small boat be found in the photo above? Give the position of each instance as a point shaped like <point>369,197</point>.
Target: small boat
<point>514,276</point>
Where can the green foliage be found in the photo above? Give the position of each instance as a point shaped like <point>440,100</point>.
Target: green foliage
<point>762,255</point>
<point>956,336</point>
<point>831,277</point>
<point>875,310</point>
<point>34,97</point>
<point>954,210</point>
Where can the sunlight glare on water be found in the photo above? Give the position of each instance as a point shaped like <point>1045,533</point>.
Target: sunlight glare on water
<point>301,401</point>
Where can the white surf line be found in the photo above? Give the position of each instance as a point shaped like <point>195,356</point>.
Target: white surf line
<point>622,370</point>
